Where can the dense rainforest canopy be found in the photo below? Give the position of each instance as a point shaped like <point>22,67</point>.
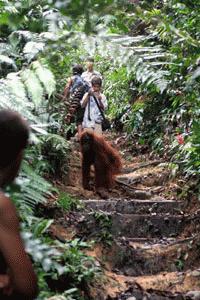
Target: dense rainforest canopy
<point>149,55</point>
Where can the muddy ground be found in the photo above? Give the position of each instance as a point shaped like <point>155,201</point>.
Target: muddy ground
<point>146,233</point>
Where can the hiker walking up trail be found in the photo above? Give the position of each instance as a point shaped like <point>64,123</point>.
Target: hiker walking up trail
<point>90,73</point>
<point>93,101</point>
<point>73,92</point>
<point>74,81</point>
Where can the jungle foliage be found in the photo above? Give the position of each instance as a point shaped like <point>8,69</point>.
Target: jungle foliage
<point>148,53</point>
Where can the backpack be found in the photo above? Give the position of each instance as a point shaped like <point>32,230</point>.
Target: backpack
<point>78,89</point>
<point>79,84</point>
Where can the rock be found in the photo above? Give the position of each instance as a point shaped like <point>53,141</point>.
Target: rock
<point>195,273</point>
<point>194,295</point>
<point>102,193</point>
<point>138,194</point>
<point>131,298</point>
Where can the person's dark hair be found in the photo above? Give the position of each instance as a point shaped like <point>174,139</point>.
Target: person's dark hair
<point>77,70</point>
<point>90,59</point>
<point>14,134</point>
<point>96,81</point>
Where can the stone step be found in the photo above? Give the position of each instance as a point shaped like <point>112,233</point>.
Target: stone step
<point>135,206</point>
<point>147,243</point>
<point>143,258</point>
<point>133,225</point>
<point>162,286</point>
<point>136,293</point>
<point>181,282</point>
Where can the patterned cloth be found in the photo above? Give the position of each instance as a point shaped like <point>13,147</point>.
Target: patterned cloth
<point>77,81</point>
<point>87,76</point>
<point>95,115</point>
<point>77,90</point>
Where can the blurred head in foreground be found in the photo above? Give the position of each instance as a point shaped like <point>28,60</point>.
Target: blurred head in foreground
<point>14,134</point>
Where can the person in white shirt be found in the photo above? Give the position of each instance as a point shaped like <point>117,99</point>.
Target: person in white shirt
<point>92,120</point>
<point>90,73</point>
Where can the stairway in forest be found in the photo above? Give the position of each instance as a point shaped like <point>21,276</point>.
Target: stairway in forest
<point>148,244</point>
<point>153,240</point>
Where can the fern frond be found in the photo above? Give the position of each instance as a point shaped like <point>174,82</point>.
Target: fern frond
<point>126,40</point>
<point>184,35</point>
<point>31,50</point>
<point>48,36</point>
<point>140,49</point>
<point>57,141</point>
<point>33,86</point>
<point>23,92</point>
<point>45,76</point>
<point>196,73</point>
<point>8,7</point>
<point>10,101</point>
<point>153,56</point>
<point>124,51</point>
<point>153,13</point>
<point>5,48</point>
<point>8,61</point>
<point>39,128</point>
<point>168,32</point>
<point>135,63</point>
<point>17,87</point>
<point>22,36</point>
<point>33,188</point>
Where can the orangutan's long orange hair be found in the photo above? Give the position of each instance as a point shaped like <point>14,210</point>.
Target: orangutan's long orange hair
<point>106,160</point>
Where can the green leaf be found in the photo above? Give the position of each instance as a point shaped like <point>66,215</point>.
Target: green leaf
<point>45,76</point>
<point>33,86</point>
<point>32,49</point>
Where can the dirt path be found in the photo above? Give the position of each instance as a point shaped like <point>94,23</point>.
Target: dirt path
<point>148,245</point>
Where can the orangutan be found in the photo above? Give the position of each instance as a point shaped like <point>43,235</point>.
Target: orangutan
<point>106,160</point>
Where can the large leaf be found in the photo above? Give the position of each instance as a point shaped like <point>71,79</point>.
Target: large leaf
<point>33,188</point>
<point>7,64</point>
<point>45,76</point>
<point>32,49</point>
<point>5,48</point>
<point>9,100</point>
<point>34,88</point>
<point>124,51</point>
